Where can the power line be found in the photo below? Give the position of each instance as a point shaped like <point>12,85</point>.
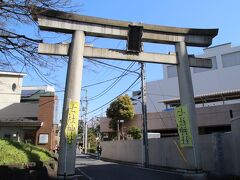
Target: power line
<point>115,97</point>
<point>86,86</point>
<point>101,82</point>
<point>116,63</point>
<point>110,65</point>
<point>90,85</point>
<point>113,84</point>
<point>96,62</point>
<point>105,81</point>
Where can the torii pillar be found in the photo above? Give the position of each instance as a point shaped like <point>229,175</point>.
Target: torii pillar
<point>66,166</point>
<point>187,99</point>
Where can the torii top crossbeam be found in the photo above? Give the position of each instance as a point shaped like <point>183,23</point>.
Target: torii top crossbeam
<point>59,21</point>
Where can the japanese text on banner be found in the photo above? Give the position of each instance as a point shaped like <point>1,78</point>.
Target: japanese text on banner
<point>72,121</point>
<point>183,125</point>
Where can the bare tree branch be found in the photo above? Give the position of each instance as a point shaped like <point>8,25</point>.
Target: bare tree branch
<point>19,50</point>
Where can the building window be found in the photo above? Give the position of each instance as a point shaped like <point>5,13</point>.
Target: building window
<point>14,86</point>
<point>43,139</point>
<point>7,136</point>
<point>231,59</point>
<point>29,136</point>
<point>214,66</point>
<point>171,71</point>
<point>56,132</point>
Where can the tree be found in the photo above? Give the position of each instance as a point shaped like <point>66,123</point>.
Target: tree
<point>18,48</point>
<point>92,139</point>
<point>80,130</point>
<point>121,108</point>
<point>134,132</point>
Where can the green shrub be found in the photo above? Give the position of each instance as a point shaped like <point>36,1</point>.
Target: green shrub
<point>92,150</point>
<point>134,132</point>
<point>12,152</point>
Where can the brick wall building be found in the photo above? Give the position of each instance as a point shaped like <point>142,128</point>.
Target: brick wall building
<point>27,114</point>
<point>46,116</point>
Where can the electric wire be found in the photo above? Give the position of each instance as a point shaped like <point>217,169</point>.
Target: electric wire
<point>110,65</point>
<point>115,97</point>
<point>90,85</point>
<point>116,63</point>
<point>101,82</point>
<point>112,84</point>
<point>102,72</point>
<point>98,83</point>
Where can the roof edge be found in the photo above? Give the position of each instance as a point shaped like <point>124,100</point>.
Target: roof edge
<point>12,73</point>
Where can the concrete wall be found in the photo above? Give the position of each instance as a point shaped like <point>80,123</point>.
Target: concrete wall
<point>235,125</point>
<point>216,152</point>
<point>128,151</point>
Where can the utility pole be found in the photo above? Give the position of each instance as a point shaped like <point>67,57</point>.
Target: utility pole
<point>85,125</point>
<point>144,115</point>
<point>82,118</point>
<point>118,134</point>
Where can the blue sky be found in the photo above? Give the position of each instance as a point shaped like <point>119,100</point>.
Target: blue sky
<point>185,13</point>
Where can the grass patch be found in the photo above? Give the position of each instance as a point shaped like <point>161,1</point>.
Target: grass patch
<point>19,153</point>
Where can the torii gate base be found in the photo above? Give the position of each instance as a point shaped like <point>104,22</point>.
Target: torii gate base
<point>79,25</point>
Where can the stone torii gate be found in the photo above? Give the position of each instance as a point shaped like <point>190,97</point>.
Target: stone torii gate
<point>81,26</point>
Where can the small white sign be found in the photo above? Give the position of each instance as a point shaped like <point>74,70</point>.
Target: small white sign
<point>43,139</point>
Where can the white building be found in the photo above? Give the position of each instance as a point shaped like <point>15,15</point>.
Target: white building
<point>10,88</point>
<point>223,77</point>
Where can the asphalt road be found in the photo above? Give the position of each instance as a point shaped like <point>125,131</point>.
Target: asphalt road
<point>93,169</point>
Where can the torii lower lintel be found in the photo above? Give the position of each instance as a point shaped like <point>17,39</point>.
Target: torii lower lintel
<point>115,54</point>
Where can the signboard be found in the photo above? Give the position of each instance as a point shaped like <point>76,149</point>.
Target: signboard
<point>184,131</point>
<point>43,139</point>
<point>72,121</point>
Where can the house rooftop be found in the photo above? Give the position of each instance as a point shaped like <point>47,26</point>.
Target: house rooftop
<point>207,98</point>
<point>12,73</point>
<point>220,45</point>
<point>44,88</point>
<point>20,110</point>
<point>33,93</point>
<point>20,122</point>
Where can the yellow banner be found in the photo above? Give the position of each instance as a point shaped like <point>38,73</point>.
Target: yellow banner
<point>184,131</point>
<point>72,121</point>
